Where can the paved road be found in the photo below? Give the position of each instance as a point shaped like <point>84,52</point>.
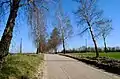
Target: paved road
<point>60,67</point>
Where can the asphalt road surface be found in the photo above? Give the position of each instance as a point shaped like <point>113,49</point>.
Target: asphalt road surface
<point>60,67</point>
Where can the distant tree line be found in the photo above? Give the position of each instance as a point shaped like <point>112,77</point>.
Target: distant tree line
<point>83,49</point>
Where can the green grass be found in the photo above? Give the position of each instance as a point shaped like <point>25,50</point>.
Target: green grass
<point>20,65</point>
<point>115,55</point>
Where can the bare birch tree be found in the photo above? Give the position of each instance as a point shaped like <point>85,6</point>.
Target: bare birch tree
<point>64,25</point>
<point>38,23</point>
<point>88,15</point>
<point>104,29</point>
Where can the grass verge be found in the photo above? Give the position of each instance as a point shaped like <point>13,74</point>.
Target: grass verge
<point>19,65</point>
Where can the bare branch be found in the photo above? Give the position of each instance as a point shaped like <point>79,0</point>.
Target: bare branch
<point>83,31</point>
<point>2,3</point>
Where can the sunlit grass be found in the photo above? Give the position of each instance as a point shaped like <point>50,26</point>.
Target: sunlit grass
<point>19,65</point>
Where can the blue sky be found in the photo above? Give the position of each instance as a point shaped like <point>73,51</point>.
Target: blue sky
<point>111,10</point>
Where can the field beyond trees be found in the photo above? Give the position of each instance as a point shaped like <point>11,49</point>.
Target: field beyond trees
<point>115,55</point>
<point>18,66</point>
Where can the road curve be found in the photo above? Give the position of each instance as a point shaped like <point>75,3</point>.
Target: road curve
<point>60,67</point>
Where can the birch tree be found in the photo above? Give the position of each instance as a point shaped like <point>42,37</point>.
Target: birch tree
<point>88,15</point>
<point>104,29</point>
<point>64,25</point>
<point>38,21</point>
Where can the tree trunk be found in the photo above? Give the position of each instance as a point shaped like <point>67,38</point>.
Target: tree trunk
<point>94,41</point>
<point>37,52</point>
<point>105,46</point>
<point>38,48</point>
<point>64,46</point>
<point>41,48</point>
<point>55,50</point>
<point>21,46</point>
<point>7,34</point>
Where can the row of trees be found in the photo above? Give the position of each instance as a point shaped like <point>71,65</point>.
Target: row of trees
<point>85,49</point>
<point>89,18</point>
<point>60,33</point>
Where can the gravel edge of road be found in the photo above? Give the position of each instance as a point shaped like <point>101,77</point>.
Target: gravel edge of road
<point>45,69</point>
<point>39,73</point>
